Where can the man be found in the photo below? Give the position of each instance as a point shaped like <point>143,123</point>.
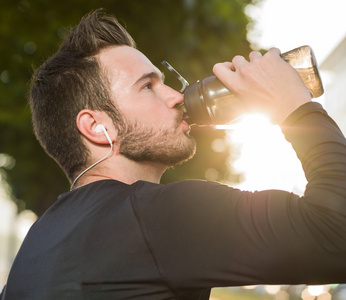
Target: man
<point>101,110</point>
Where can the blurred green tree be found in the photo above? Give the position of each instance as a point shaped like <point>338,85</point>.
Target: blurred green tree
<point>190,34</point>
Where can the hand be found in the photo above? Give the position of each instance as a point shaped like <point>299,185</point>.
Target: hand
<point>264,84</point>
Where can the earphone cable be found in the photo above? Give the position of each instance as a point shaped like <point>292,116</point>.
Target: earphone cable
<point>93,165</point>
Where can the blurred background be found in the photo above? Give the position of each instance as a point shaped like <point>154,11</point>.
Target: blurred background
<point>192,35</point>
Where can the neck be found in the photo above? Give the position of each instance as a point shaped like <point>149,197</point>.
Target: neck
<point>124,170</point>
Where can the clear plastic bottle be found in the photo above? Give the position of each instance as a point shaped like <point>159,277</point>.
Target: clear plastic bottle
<point>304,61</point>
<point>209,102</point>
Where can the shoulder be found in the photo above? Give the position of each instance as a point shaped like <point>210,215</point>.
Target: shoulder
<point>185,187</point>
<point>187,194</point>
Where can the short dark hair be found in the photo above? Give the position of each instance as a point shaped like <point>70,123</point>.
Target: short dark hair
<point>70,81</point>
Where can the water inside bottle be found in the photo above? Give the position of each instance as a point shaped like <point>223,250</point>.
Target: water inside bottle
<point>311,80</point>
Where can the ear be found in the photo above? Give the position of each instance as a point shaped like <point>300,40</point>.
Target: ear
<point>87,121</point>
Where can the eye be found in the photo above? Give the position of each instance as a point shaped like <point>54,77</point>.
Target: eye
<point>147,86</point>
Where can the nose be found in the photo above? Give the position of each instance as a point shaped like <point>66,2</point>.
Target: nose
<point>174,98</point>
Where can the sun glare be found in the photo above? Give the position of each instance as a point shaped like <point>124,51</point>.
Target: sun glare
<point>265,158</point>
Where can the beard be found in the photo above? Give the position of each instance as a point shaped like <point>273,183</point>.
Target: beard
<point>144,143</point>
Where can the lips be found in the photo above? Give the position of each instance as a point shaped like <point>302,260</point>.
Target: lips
<point>186,126</point>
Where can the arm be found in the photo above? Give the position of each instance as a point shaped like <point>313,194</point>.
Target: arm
<point>305,236</point>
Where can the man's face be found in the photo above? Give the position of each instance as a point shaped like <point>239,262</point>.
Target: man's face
<point>153,129</point>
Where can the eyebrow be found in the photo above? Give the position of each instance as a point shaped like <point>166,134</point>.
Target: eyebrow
<point>151,75</point>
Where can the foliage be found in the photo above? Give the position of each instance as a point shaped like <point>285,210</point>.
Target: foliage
<point>190,34</point>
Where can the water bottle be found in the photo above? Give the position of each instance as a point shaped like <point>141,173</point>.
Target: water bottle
<point>209,102</point>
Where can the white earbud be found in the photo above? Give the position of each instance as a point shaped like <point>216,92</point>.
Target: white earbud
<point>101,128</point>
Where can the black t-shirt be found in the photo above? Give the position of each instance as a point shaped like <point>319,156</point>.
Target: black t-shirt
<point>110,240</point>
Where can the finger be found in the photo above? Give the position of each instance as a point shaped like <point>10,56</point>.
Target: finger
<point>223,67</point>
<point>274,51</point>
<point>238,61</point>
<point>228,64</point>
<point>224,71</point>
<point>255,55</point>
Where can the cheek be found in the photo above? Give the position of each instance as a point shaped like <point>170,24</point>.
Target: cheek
<point>149,114</point>
<point>146,109</point>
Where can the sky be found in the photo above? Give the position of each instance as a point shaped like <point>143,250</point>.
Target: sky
<point>266,160</point>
